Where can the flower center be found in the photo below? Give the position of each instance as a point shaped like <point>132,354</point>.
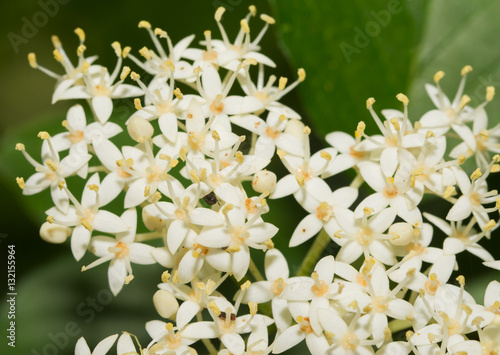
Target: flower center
<point>390,191</point>
<point>379,304</point>
<point>324,212</point>
<point>305,325</point>
<point>101,90</point>
<point>217,106</point>
<point>365,236</point>
<point>319,288</point>
<point>278,286</point>
<point>356,154</point>
<point>272,132</point>
<point>153,173</point>
<point>121,250</point>
<point>76,136</point>
<point>196,140</point>
<point>349,341</point>
<point>475,199</point>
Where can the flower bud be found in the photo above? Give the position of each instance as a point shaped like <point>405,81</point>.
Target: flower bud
<point>165,303</point>
<point>401,233</point>
<point>263,181</point>
<point>139,129</point>
<point>295,128</point>
<point>54,233</point>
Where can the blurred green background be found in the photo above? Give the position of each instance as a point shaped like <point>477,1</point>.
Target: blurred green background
<point>350,51</point>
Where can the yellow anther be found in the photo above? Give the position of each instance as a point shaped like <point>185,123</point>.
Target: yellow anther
<point>409,334</point>
<point>438,76</point>
<point>218,14</point>
<point>395,123</point>
<point>337,234</point>
<point>147,190</point>
<point>194,176</point>
<point>368,211</point>
<point>306,130</point>
<point>61,184</point>
<point>390,180</point>
<point>87,225</point>
<point>387,333</point>
<point>165,157</point>
<point>80,33</point>
<point>178,94</point>
<point>170,65</point>
<point>461,159</point>
<point>228,207</point>
<point>156,197</point>
<point>182,152</point>
<point>117,47</point>
<point>165,276</point>
<point>478,320</point>
<point>242,138</point>
<point>50,219</point>
<point>282,118</point>
<point>126,51</point>
<point>174,163</point>
<point>58,56</point>
<point>411,272</point>
<point>239,157</point>
<point>496,158</point>
<point>197,70</point>
<point>85,67</point>
<point>461,280</point>
<point>476,174</point>
<point>20,146</point>
<point>43,135</point>
<point>269,244</point>
<point>325,155</point>
<point>125,73</point>
<point>430,134</point>
<point>403,98</point>
<point>244,26</point>
<point>80,50</point>
<point>213,307</point>
<point>215,136</point>
<point>490,93</point>
<point>302,74</point>
<point>466,309</point>
<point>490,225</point>
<point>134,76</point>
<point>137,104</point>
<point>495,168</point>
<point>20,182</point>
<point>169,326</point>
<point>299,319</point>
<point>52,166</point>
<point>360,129</point>
<point>144,24</point>
<point>253,308</point>
<point>353,305</point>
<point>450,191</point>
<point>93,187</point>
<point>464,101</point>
<point>267,19</point>
<point>370,102</point>
<point>282,83</point>
<point>432,337</point>
<point>253,10</point>
<point>281,153</point>
<point>300,180</point>
<point>245,285</point>
<point>466,70</point>
<point>160,32</point>
<point>32,60</point>
<point>144,51</point>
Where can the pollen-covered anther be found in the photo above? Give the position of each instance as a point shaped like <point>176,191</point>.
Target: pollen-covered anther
<point>464,101</point>
<point>134,76</point>
<point>117,47</point>
<point>244,26</point>
<point>490,225</point>
<point>461,159</point>
<point>430,134</point>
<point>159,32</point>
<point>281,153</point>
<point>267,19</point>
<point>156,197</point>
<point>85,67</point>
<point>194,176</point>
<point>239,157</point>
<point>403,98</point>
<point>466,70</point>
<point>302,74</point>
<point>144,24</point>
<point>50,219</point>
<point>282,83</point>
<point>93,187</point>
<point>20,183</point>
<point>178,94</point>
<point>245,285</point>
<point>228,207</point>
<point>80,33</point>
<point>325,155</point>
<point>370,102</point>
<point>43,135</point>
<point>395,123</point>
<point>461,280</point>
<point>368,211</point>
<point>216,136</point>
<point>438,76</point>
<point>490,93</point>
<point>450,191</point>
<point>61,184</point>
<point>496,158</point>
<point>476,174</point>
<point>125,72</point>
<point>269,244</point>
<point>214,308</point>
<point>165,276</point>
<point>147,190</point>
<point>144,51</point>
<point>253,10</point>
<point>80,50</point>
<point>253,308</point>
<point>219,12</point>
<point>477,321</point>
<point>52,166</point>
<point>58,56</point>
<point>337,234</point>
<point>126,51</point>
<point>360,129</point>
<point>128,279</point>
<point>32,60</point>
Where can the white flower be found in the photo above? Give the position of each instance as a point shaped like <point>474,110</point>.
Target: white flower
<point>167,339</point>
<point>86,217</point>
<point>102,348</point>
<point>52,172</point>
<point>121,252</point>
<point>100,87</point>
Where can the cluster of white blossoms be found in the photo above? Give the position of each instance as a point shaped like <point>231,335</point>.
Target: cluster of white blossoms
<point>204,193</point>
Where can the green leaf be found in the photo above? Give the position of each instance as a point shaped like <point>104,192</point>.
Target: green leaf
<point>365,48</point>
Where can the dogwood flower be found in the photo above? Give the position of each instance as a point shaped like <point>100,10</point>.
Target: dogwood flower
<point>102,348</point>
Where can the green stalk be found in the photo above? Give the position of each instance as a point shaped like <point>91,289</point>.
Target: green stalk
<point>314,253</point>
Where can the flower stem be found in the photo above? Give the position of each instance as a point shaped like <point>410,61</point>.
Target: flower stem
<point>142,237</point>
<point>255,271</point>
<point>397,325</point>
<point>320,243</point>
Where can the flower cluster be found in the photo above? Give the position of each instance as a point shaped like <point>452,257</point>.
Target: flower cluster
<point>204,192</point>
